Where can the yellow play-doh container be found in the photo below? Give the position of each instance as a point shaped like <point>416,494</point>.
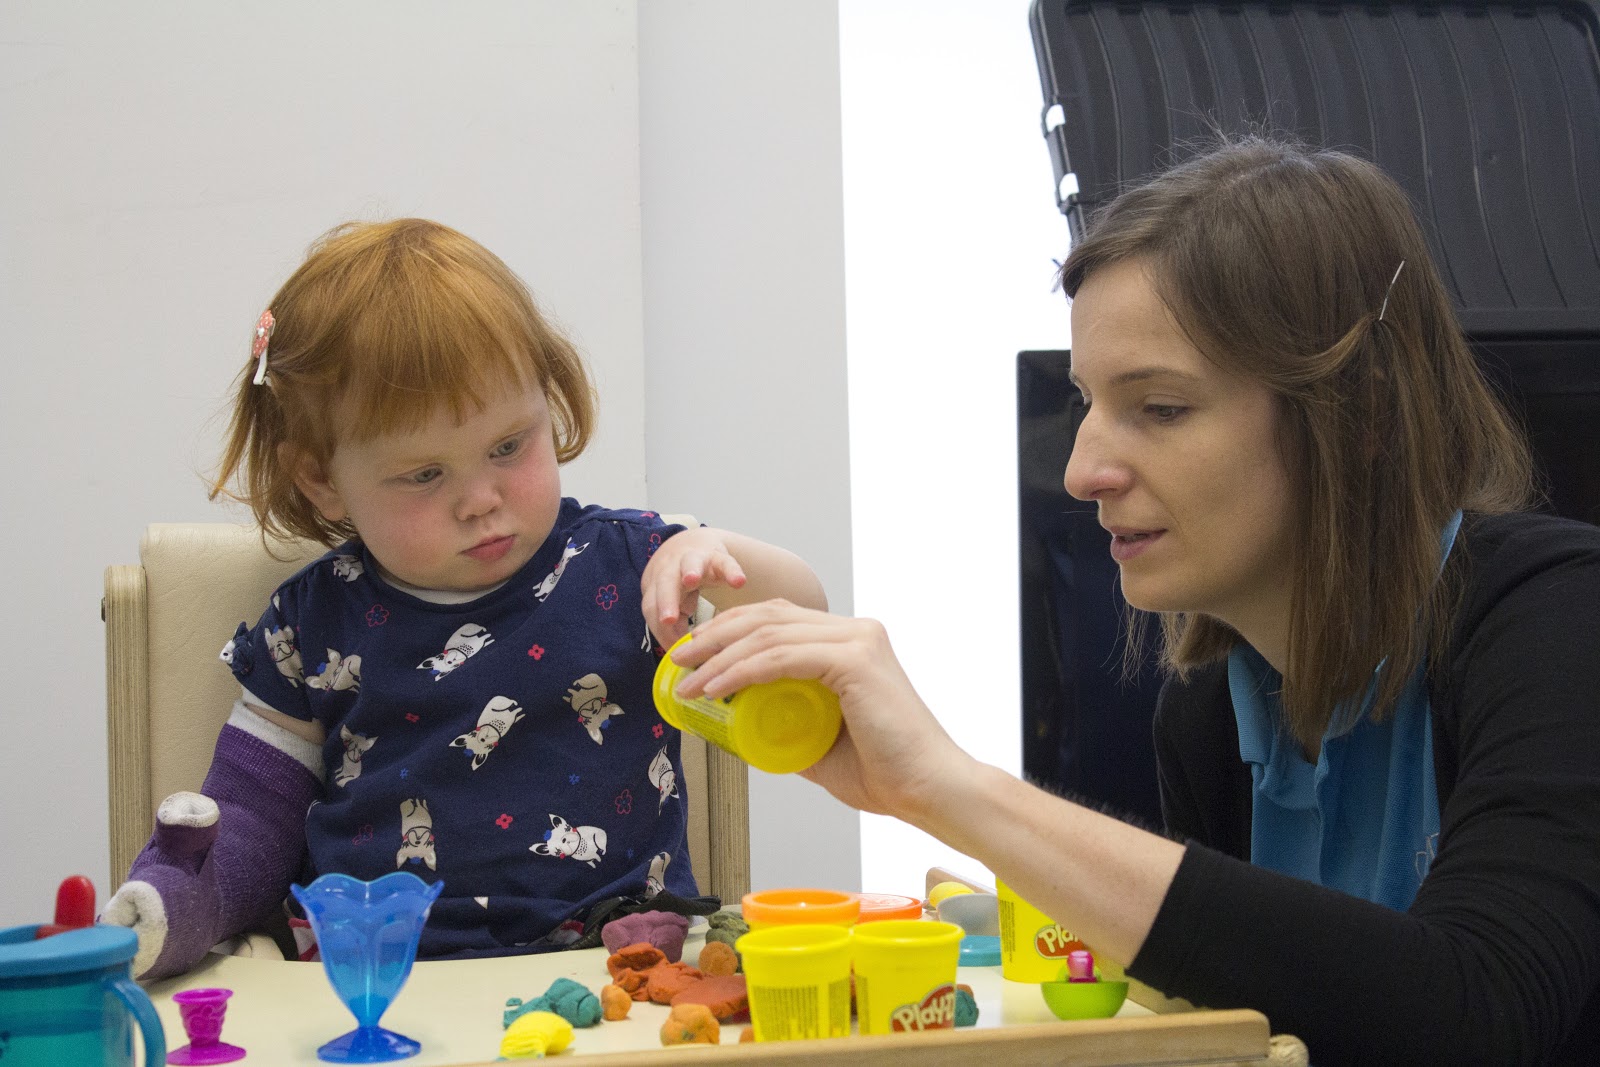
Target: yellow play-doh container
<point>799,907</point>
<point>798,981</point>
<point>905,975</point>
<point>1033,946</point>
<point>779,727</point>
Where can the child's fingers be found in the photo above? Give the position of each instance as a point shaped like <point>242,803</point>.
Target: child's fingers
<point>664,590</point>
<point>688,604</point>
<point>691,571</point>
<point>667,632</point>
<point>724,568</point>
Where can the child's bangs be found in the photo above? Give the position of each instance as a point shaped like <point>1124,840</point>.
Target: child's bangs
<point>440,342</point>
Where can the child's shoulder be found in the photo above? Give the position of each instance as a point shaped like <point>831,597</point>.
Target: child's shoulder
<point>576,518</point>
<point>333,571</point>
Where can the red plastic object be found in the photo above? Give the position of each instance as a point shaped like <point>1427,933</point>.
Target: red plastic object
<point>74,907</point>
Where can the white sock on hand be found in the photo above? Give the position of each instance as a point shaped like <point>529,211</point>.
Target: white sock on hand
<point>187,809</point>
<point>138,906</point>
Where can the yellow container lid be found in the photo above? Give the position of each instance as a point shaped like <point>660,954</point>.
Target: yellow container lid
<point>879,906</point>
<point>788,907</point>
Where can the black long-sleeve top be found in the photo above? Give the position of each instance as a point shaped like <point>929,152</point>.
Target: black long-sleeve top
<point>1498,958</point>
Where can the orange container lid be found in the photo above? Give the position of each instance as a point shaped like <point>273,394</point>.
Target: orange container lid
<point>777,906</point>
<point>875,906</point>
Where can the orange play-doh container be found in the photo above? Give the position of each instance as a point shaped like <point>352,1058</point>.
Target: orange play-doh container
<point>799,907</point>
<point>877,907</point>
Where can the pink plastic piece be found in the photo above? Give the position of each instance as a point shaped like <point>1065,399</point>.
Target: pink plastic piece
<point>1080,966</point>
<point>201,1011</point>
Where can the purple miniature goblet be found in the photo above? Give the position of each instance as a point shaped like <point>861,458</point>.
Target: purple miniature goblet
<point>201,1011</point>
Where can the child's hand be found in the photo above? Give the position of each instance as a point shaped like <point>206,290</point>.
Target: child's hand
<point>685,564</point>
<point>137,905</point>
<point>171,867</point>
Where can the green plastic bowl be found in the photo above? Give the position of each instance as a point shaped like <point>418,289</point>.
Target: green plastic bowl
<point>1084,1000</point>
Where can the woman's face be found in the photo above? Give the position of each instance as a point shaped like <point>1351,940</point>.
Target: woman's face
<point>1183,461</point>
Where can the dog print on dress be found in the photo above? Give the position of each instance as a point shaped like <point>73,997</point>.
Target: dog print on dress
<point>340,672</point>
<point>588,698</point>
<point>494,722</point>
<point>355,746</point>
<point>586,843</point>
<point>285,656</point>
<point>416,834</point>
<point>663,777</point>
<point>655,879</point>
<point>543,590</point>
<point>465,643</point>
<point>348,567</point>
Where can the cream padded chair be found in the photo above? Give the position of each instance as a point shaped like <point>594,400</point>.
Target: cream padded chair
<point>168,693</point>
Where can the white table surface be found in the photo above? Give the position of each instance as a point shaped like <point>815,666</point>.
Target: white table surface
<point>282,1011</point>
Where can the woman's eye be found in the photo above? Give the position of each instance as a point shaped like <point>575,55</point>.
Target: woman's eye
<point>425,476</point>
<point>1164,412</point>
<point>506,448</point>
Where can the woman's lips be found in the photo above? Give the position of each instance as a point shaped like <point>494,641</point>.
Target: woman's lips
<point>1130,544</point>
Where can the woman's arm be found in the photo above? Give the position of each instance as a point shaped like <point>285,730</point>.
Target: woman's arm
<point>1100,877</point>
<point>1498,959</point>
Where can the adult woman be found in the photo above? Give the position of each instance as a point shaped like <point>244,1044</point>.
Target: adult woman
<point>1381,734</point>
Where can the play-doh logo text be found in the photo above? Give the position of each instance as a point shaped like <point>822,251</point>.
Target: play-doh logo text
<point>936,1012</point>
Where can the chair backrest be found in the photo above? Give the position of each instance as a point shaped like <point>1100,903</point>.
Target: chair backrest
<point>168,693</point>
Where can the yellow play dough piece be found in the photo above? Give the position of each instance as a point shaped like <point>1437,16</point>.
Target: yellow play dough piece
<point>533,1035</point>
<point>944,891</point>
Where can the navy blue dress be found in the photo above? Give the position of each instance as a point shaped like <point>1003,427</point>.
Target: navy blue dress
<point>508,746</point>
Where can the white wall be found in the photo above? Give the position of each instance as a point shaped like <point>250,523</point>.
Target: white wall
<point>744,324</point>
<point>950,228</point>
<point>164,167</point>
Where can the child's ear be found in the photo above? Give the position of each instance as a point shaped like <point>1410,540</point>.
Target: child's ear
<point>312,480</point>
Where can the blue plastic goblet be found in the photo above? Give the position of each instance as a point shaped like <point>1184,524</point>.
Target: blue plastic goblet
<point>367,933</point>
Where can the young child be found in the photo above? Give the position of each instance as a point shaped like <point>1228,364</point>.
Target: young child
<point>461,686</point>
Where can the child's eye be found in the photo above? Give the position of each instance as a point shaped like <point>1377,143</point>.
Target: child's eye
<point>506,448</point>
<point>425,476</point>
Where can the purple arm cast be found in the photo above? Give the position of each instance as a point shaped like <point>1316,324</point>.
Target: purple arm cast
<point>218,881</point>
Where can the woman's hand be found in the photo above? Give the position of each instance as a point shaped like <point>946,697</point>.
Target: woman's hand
<point>892,755</point>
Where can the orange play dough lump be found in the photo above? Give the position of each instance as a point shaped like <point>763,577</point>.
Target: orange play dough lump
<point>691,1024</point>
<point>614,1002</point>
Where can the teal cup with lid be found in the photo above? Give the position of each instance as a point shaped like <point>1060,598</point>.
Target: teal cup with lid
<point>69,999</point>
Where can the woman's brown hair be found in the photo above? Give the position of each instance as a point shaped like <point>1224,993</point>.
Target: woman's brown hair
<point>1277,261</point>
<point>382,325</point>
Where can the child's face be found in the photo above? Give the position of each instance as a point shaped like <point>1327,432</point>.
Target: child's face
<point>449,506</point>
<point>1182,459</point>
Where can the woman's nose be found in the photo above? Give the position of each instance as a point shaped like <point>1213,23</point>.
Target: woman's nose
<point>1093,470</point>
